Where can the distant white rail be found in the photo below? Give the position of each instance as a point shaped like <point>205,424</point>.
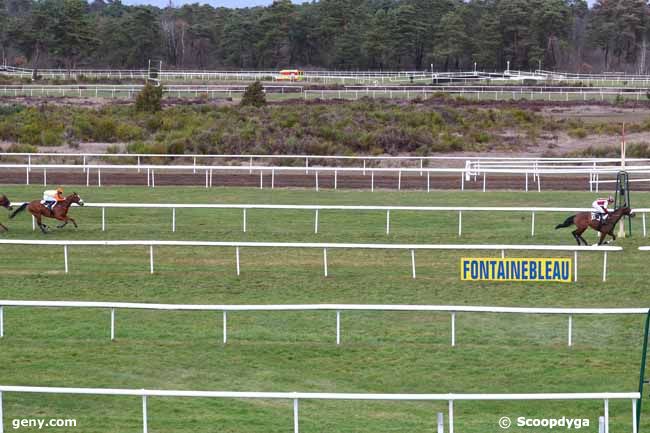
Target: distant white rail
<point>273,171</point>
<point>322,246</point>
<point>295,397</point>
<point>338,308</point>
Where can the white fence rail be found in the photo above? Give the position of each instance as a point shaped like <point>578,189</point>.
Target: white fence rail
<point>319,208</point>
<point>464,173</point>
<point>338,308</point>
<point>321,246</point>
<point>129,91</point>
<point>295,397</point>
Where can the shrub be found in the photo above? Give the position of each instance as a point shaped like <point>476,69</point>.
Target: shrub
<point>254,95</point>
<point>126,132</point>
<point>577,132</point>
<point>149,100</point>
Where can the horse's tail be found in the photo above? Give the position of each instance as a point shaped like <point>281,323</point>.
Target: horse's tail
<point>19,210</point>
<point>567,222</point>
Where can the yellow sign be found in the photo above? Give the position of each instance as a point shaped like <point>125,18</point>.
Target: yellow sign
<point>537,269</point>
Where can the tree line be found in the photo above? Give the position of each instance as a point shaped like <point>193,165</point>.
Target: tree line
<point>331,34</point>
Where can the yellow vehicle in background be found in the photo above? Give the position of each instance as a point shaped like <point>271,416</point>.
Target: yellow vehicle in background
<point>291,75</point>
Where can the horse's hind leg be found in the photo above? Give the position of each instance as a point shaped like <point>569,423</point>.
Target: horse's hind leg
<point>579,233</point>
<point>576,236</point>
<point>4,227</point>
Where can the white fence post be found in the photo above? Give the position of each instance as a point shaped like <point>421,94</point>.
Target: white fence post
<point>237,260</point>
<point>575,266</point>
<point>225,326</point>
<point>338,327</point>
<point>413,263</point>
<point>1,415</point>
<point>99,177</point>
<point>112,324</point>
<point>244,221</point>
<point>460,223</point>
<point>151,259</point>
<point>570,330</point>
<point>316,222</point>
<point>451,416</point>
<point>144,414</point>
<point>174,220</point>
<point>372,181</point>
<point>606,416</point>
<point>532,226</point>
<point>453,329</point>
<point>634,426</point>
<point>604,265</point>
<point>644,232</point>
<point>388,222</point>
<point>103,219</point>
<point>325,261</point>
<point>65,257</point>
<point>295,416</point>
<point>2,322</point>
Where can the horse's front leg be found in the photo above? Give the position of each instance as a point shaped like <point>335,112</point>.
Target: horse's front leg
<point>40,224</point>
<point>73,222</point>
<point>602,237</point>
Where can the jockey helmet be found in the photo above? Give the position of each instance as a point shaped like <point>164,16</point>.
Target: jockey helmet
<point>610,199</point>
<point>59,190</point>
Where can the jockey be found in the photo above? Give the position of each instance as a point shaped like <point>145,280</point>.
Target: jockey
<point>600,208</point>
<point>52,197</point>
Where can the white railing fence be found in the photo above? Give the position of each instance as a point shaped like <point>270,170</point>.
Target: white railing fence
<point>296,397</point>
<point>321,246</point>
<point>338,308</point>
<point>319,208</point>
<point>592,174</point>
<point>389,225</point>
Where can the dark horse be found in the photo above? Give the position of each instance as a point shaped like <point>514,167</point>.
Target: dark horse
<point>5,203</point>
<point>583,220</point>
<point>60,212</point>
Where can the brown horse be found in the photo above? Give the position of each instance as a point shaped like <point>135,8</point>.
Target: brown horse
<point>60,211</point>
<point>5,203</point>
<point>583,220</point>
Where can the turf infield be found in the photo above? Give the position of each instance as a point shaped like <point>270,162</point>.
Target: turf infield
<point>380,352</point>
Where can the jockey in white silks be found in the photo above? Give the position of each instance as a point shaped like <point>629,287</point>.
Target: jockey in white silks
<point>600,206</point>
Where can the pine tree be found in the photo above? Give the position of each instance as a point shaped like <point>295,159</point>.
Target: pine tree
<point>254,95</point>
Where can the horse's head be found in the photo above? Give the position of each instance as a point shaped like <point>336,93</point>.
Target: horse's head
<point>74,198</point>
<point>4,202</point>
